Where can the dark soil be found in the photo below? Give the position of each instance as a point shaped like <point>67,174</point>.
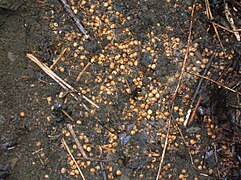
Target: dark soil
<point>35,150</point>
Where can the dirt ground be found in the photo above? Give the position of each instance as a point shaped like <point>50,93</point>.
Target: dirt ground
<point>133,73</point>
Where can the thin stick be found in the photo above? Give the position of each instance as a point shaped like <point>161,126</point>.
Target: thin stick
<point>128,86</point>
<point>58,58</point>
<point>198,87</point>
<point>103,171</point>
<point>82,72</point>
<point>226,29</point>
<point>187,52</point>
<point>60,81</point>
<point>102,166</point>
<point>231,21</point>
<point>194,110</point>
<point>204,73</point>
<point>218,83</point>
<point>210,17</point>
<point>70,128</point>
<point>74,18</point>
<point>67,115</point>
<point>216,159</point>
<point>164,149</point>
<point>176,91</point>
<point>186,144</point>
<point>67,148</point>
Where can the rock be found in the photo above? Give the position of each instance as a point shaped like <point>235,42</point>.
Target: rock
<point>10,4</point>
<point>4,171</point>
<point>12,57</point>
<point>2,119</point>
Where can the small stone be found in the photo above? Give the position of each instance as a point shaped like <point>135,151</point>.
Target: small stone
<point>2,119</point>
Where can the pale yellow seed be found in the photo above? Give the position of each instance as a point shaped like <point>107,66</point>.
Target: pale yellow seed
<point>166,113</point>
<point>67,134</point>
<point>92,170</point>
<point>78,122</point>
<point>181,176</point>
<point>71,163</point>
<point>106,4</point>
<point>75,11</point>
<point>61,69</point>
<point>112,65</point>
<point>175,108</point>
<point>49,99</point>
<point>22,114</point>
<point>112,26</point>
<point>118,172</point>
<point>63,170</point>
<point>72,173</point>
<point>88,149</point>
<point>149,111</point>
<point>192,142</point>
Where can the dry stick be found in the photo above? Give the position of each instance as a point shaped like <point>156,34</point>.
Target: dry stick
<point>95,159</point>
<point>67,148</point>
<point>218,83</point>
<point>102,166</point>
<point>198,87</point>
<point>216,159</point>
<point>67,115</point>
<point>74,18</point>
<point>103,171</point>
<point>58,58</point>
<point>187,52</point>
<point>60,81</point>
<point>82,72</point>
<point>226,29</point>
<point>176,91</point>
<point>70,128</point>
<point>164,149</point>
<point>195,110</point>
<point>186,144</point>
<point>210,17</point>
<point>231,21</point>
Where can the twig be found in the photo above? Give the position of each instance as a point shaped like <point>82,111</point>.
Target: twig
<point>176,91</point>
<point>67,148</point>
<point>60,81</point>
<point>164,149</point>
<point>218,83</point>
<point>103,171</point>
<point>58,58</point>
<point>95,159</point>
<point>74,18</point>
<point>128,86</point>
<point>194,111</point>
<point>216,159</point>
<point>231,21</point>
<point>102,165</point>
<point>70,128</point>
<point>197,89</point>
<point>187,52</point>
<point>37,151</point>
<point>40,159</point>
<point>226,29</point>
<point>82,72</point>
<point>210,17</point>
<point>185,143</point>
<point>67,115</point>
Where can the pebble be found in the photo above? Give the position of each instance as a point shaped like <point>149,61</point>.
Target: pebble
<point>2,119</point>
